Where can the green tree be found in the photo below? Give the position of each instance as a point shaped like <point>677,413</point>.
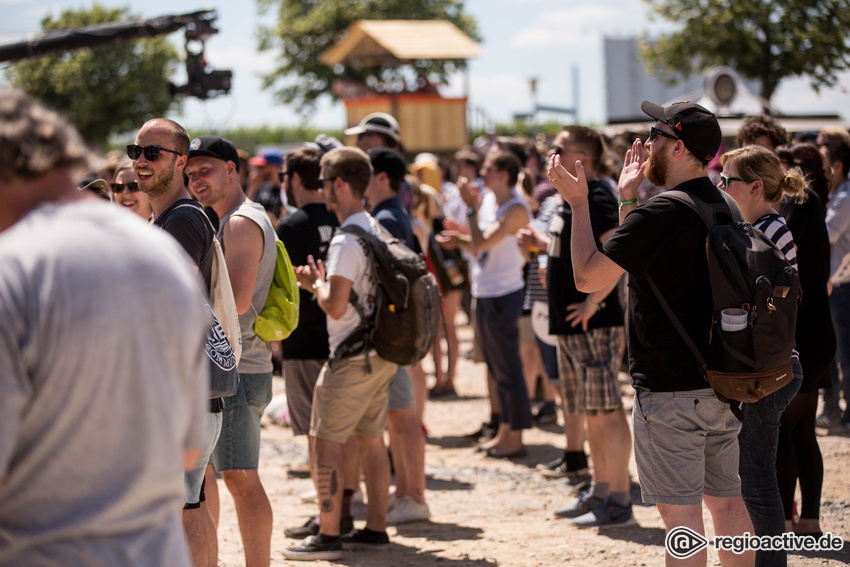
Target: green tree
<point>767,40</point>
<point>306,28</point>
<point>103,90</point>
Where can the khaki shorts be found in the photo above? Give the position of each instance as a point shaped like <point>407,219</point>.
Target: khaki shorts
<point>300,377</point>
<point>686,445</point>
<point>349,400</point>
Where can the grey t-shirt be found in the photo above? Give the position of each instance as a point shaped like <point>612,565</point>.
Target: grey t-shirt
<point>256,354</point>
<point>103,384</point>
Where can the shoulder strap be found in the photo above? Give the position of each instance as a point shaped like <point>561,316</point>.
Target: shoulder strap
<point>676,323</point>
<point>707,211</point>
<point>204,214</point>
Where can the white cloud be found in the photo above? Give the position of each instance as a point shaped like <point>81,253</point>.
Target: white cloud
<point>580,24</point>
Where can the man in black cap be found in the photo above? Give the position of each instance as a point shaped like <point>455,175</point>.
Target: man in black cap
<point>685,438</point>
<point>407,440</point>
<point>250,251</point>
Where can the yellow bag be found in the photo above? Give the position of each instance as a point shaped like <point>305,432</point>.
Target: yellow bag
<point>279,316</point>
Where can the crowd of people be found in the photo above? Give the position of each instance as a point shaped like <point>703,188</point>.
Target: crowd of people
<point>571,231</point>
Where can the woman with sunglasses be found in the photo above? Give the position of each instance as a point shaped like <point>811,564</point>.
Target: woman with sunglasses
<point>125,192</point>
<point>754,177</point>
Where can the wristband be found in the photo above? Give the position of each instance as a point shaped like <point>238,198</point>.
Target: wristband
<point>600,306</point>
<point>317,284</point>
<point>631,201</point>
<point>471,212</point>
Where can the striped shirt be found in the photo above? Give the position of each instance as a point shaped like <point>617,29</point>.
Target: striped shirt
<point>773,226</point>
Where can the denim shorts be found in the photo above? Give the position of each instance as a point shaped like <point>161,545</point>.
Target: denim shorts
<point>401,389</point>
<point>195,477</point>
<point>238,445</point>
<point>686,445</point>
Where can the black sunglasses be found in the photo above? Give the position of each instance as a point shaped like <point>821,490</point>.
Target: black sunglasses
<point>132,187</point>
<point>151,152</point>
<point>725,179</point>
<point>655,132</point>
<point>281,175</point>
<point>557,150</point>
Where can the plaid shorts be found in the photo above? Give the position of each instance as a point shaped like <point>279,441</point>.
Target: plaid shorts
<point>589,365</point>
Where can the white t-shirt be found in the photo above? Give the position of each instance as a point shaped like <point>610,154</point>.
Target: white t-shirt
<point>104,383</point>
<point>347,258</point>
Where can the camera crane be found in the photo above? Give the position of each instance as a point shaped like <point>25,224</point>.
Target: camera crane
<point>202,82</point>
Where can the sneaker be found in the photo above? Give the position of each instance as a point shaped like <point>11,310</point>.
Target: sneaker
<point>551,464</point>
<point>573,465</point>
<point>546,415</point>
<point>310,550</point>
<point>585,503</point>
<point>311,497</point>
<point>365,540</point>
<point>580,484</point>
<point>300,471</point>
<point>826,420</point>
<point>606,515</point>
<point>311,528</point>
<point>486,432</point>
<point>407,510</point>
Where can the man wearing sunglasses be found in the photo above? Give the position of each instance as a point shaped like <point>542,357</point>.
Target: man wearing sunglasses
<point>685,438</point>
<point>102,373</point>
<point>159,157</point>
<point>250,251</point>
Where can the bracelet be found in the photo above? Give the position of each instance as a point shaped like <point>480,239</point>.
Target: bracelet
<point>631,201</point>
<point>470,211</point>
<point>600,306</point>
<point>317,284</point>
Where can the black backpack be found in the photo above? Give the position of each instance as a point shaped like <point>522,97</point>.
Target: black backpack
<point>749,272</point>
<point>408,308</point>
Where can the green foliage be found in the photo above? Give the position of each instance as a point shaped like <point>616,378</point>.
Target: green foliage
<point>768,40</point>
<point>104,90</point>
<point>306,28</point>
<point>251,139</point>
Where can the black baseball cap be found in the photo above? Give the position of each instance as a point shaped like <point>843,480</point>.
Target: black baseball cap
<point>695,125</point>
<point>389,161</point>
<point>214,146</point>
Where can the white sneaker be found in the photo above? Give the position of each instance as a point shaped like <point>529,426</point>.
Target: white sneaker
<point>311,497</point>
<point>407,510</point>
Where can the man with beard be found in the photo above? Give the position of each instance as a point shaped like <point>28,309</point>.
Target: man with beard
<point>159,156</point>
<point>685,438</point>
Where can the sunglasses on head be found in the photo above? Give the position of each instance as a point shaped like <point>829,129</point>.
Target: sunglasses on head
<point>655,132</point>
<point>726,180</point>
<point>132,187</point>
<point>151,152</point>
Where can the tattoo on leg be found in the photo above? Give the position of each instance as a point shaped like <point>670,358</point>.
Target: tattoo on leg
<point>327,505</point>
<point>334,483</point>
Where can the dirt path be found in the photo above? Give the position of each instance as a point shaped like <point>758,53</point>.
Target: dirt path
<point>489,512</point>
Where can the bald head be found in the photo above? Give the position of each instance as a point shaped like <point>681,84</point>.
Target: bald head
<point>174,130</point>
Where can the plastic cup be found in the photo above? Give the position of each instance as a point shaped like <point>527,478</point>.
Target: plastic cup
<point>733,319</point>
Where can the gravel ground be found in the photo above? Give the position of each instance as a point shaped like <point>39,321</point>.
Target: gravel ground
<point>493,512</point>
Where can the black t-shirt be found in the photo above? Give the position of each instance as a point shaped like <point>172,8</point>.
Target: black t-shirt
<point>815,334</point>
<point>308,231</point>
<point>395,219</point>
<point>560,282</point>
<point>191,227</point>
<point>665,239</point>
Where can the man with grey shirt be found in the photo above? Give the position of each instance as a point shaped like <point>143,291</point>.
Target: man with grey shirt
<point>102,367</point>
<point>248,240</point>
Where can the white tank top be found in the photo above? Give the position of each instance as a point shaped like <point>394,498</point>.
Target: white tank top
<point>498,271</point>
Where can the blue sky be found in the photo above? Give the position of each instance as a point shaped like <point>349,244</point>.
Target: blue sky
<point>522,39</point>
